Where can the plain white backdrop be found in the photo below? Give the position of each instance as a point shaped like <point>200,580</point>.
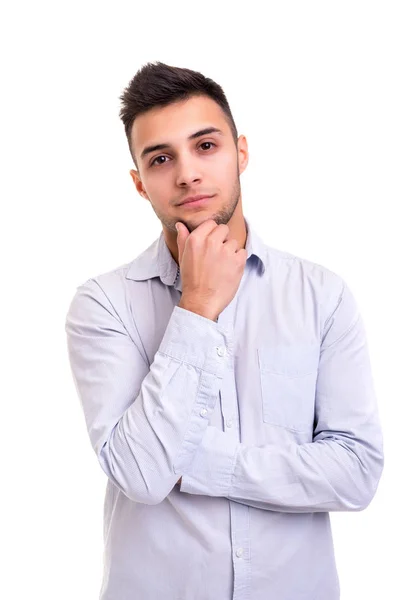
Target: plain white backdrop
<point>314,86</point>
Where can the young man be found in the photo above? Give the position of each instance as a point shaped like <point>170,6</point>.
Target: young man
<point>226,385</point>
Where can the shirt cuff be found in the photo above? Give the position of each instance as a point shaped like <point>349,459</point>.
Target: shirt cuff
<point>201,342</point>
<point>211,471</point>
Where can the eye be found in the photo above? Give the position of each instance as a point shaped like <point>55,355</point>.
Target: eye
<point>153,162</point>
<point>204,143</point>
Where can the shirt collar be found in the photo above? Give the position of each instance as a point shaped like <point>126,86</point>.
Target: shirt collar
<point>157,260</point>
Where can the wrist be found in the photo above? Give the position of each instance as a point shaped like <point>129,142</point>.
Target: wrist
<point>199,310</point>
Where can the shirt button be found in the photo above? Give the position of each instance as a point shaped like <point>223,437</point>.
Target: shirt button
<point>229,423</point>
<point>221,351</point>
<point>204,412</point>
<point>239,552</point>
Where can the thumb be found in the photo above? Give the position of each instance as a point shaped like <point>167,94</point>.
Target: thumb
<point>183,234</point>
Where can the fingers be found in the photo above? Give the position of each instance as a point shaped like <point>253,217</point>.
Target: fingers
<point>182,235</point>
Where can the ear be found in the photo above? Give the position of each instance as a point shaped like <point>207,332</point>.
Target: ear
<point>243,153</point>
<point>138,183</point>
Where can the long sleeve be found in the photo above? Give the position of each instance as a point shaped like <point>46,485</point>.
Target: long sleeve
<point>144,421</point>
<point>340,469</point>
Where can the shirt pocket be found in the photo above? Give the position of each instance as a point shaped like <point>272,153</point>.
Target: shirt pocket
<point>288,380</point>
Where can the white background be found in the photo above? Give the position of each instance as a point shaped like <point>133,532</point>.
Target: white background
<point>314,86</point>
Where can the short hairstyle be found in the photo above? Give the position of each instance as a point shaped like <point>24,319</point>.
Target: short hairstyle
<point>158,84</point>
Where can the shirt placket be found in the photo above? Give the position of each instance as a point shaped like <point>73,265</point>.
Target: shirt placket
<point>239,513</point>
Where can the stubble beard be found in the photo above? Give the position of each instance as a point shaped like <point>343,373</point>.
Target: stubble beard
<point>222,216</point>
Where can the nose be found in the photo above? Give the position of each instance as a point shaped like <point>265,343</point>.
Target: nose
<point>187,172</point>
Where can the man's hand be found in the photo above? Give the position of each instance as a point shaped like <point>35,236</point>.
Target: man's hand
<point>211,268</point>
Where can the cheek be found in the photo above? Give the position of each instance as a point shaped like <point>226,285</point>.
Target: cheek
<point>155,187</point>
<point>225,166</point>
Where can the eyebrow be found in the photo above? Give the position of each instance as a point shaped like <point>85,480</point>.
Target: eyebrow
<point>193,136</point>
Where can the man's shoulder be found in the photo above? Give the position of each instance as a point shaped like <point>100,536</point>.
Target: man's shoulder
<point>282,259</point>
<point>118,277</point>
<point>108,295</point>
<point>106,280</point>
<point>295,274</point>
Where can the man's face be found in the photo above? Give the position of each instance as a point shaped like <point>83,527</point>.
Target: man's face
<point>208,164</point>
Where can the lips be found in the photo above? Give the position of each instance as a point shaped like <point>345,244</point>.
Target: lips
<point>194,199</point>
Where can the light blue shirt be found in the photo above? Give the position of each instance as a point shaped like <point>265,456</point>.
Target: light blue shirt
<point>269,415</point>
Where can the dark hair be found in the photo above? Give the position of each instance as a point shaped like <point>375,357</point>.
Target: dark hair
<point>158,84</point>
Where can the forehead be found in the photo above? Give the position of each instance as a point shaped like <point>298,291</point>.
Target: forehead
<point>175,122</point>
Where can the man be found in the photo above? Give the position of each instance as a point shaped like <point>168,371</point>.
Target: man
<point>226,385</point>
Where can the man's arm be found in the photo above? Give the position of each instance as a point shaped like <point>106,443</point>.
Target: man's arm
<point>144,421</point>
<point>339,470</point>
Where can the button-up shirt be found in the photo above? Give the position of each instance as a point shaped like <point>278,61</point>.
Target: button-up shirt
<point>268,414</point>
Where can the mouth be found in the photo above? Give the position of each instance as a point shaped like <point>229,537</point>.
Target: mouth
<point>196,201</point>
